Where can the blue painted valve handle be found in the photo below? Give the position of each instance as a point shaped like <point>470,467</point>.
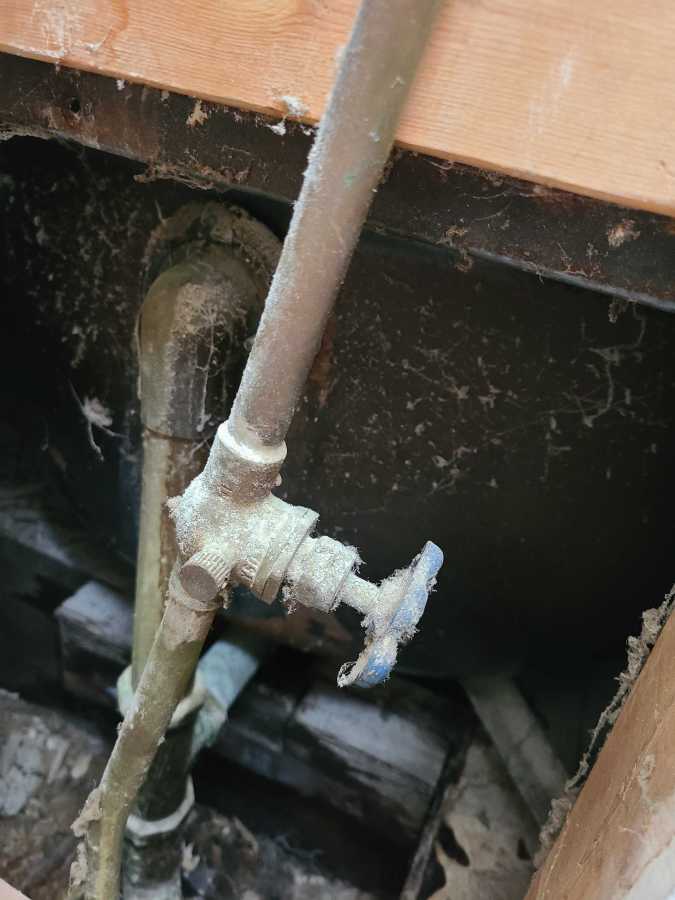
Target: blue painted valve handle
<point>386,632</point>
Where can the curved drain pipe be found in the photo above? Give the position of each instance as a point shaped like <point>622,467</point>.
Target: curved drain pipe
<point>230,528</point>
<point>193,324</point>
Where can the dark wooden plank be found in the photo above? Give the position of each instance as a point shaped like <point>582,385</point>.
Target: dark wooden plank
<point>376,755</point>
<point>30,517</point>
<point>468,212</point>
<point>358,752</point>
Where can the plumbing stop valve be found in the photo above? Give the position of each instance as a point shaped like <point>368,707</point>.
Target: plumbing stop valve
<point>231,529</point>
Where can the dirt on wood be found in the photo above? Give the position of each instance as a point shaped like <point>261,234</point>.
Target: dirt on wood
<point>48,765</point>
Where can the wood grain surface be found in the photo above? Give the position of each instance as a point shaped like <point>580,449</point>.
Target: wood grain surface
<point>571,93</point>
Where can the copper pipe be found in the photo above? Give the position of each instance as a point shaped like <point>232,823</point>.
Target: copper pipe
<point>352,145</point>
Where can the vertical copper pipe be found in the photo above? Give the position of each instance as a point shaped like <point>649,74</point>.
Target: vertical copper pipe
<point>351,148</point>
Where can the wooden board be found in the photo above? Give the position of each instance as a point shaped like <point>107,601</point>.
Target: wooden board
<point>617,843</point>
<point>570,93</point>
<point>376,755</point>
<point>8,893</point>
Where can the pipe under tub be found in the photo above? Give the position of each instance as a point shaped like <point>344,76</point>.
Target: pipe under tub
<point>351,148</point>
<point>193,321</point>
<point>190,308</point>
<point>346,162</point>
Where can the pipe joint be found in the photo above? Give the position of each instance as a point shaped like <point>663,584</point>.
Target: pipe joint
<point>241,470</point>
<point>229,532</point>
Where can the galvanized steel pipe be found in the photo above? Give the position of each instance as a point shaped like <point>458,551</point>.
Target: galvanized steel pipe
<point>352,145</point>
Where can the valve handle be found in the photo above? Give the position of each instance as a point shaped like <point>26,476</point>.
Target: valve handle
<point>397,610</point>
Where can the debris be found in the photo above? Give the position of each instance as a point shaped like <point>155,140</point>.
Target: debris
<point>198,115</point>
<point>91,812</point>
<point>78,869</point>
<point>478,844</point>
<point>223,870</point>
<point>96,413</point>
<point>294,107</point>
<point>42,787</point>
<point>617,306</point>
<point>190,859</point>
<point>624,231</point>
<point>638,650</point>
<point>482,846</point>
<point>97,416</point>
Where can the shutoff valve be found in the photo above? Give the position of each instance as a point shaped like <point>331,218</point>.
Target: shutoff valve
<point>232,530</point>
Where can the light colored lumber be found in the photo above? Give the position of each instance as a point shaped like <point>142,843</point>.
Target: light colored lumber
<point>530,760</point>
<point>619,840</point>
<point>7,892</point>
<point>570,93</point>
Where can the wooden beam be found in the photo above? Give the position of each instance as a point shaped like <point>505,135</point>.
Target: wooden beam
<point>376,755</point>
<point>31,517</point>
<point>619,839</point>
<point>570,93</point>
<point>7,892</point>
<point>522,743</point>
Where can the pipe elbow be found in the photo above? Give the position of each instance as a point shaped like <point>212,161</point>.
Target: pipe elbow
<point>192,328</point>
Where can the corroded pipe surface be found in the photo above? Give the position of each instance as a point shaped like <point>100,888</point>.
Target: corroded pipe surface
<point>351,148</point>
<point>167,465</point>
<point>95,875</point>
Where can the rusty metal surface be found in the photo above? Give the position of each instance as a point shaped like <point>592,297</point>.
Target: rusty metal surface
<point>475,215</point>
